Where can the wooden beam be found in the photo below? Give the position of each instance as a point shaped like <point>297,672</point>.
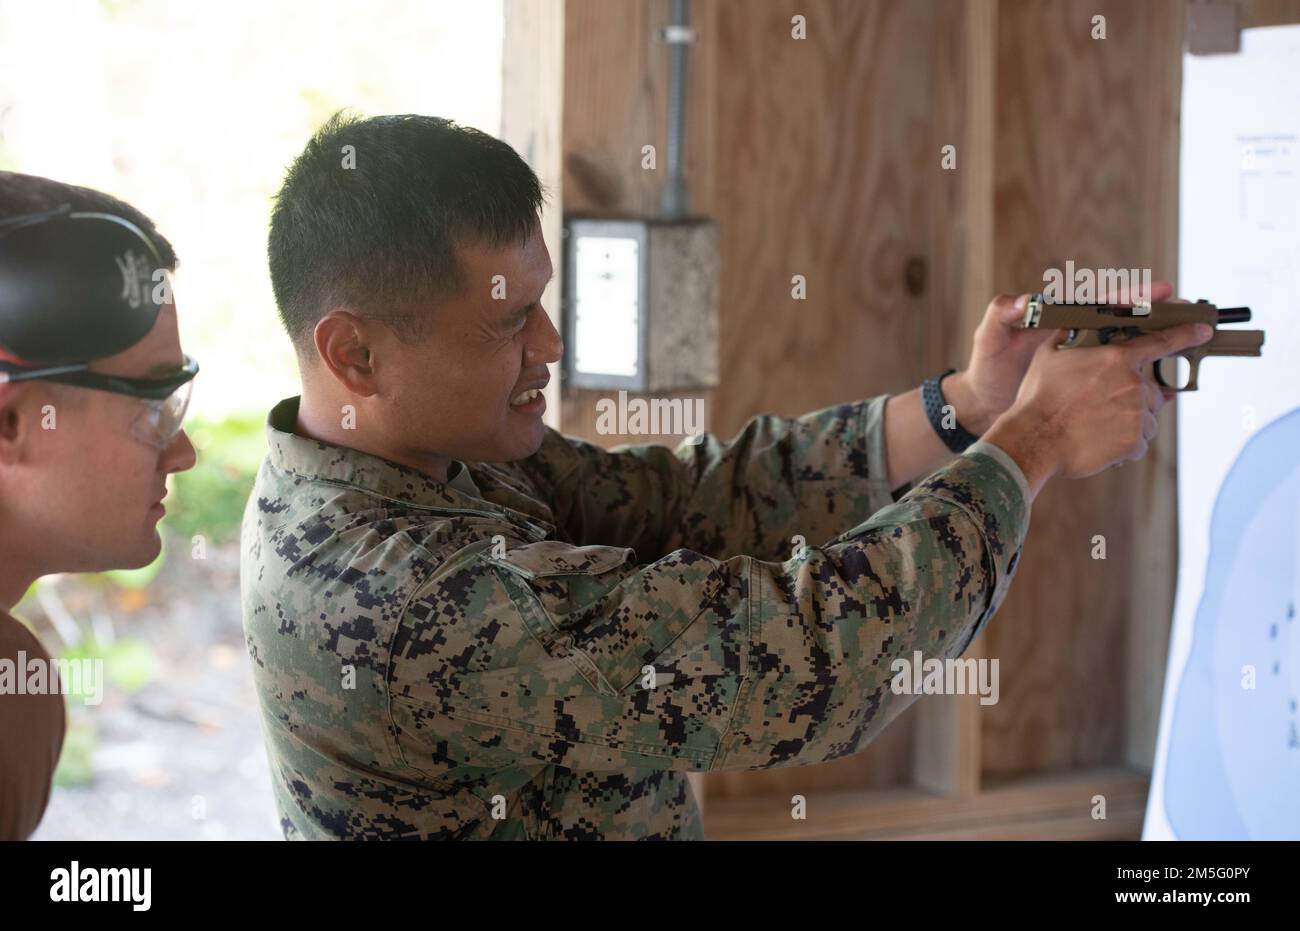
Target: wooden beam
<point>946,755</point>
<point>1155,526</point>
<point>1269,13</point>
<point>532,113</point>
<point>1058,807</point>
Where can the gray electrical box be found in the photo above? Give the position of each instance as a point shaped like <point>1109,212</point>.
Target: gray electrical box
<point>640,305</point>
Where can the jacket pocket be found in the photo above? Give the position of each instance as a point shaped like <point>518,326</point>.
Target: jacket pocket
<point>551,558</point>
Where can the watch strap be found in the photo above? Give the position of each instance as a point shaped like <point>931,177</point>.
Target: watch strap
<point>957,438</point>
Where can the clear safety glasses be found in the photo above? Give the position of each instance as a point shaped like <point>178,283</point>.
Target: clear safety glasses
<point>160,422</point>
<point>165,399</point>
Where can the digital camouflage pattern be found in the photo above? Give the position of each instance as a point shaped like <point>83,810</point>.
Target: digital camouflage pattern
<point>544,649</point>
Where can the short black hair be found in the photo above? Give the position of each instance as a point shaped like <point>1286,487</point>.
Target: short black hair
<point>22,194</point>
<point>379,235</point>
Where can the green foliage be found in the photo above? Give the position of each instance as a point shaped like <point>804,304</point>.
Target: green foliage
<point>209,499</point>
<point>76,766</point>
<point>128,663</point>
<point>138,578</point>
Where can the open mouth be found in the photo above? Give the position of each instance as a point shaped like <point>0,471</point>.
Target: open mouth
<point>529,402</point>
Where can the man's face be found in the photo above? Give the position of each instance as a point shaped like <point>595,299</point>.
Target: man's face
<point>88,491</point>
<point>452,393</point>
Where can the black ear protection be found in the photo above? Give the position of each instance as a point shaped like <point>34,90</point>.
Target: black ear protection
<point>76,287</point>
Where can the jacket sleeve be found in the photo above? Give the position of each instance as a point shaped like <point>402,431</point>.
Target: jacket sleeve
<point>576,656</point>
<point>778,478</point>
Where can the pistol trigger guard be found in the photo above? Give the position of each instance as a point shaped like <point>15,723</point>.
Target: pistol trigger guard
<point>1160,375</point>
<point>1193,365</point>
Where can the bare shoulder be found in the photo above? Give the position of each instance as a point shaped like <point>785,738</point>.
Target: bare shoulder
<point>32,724</point>
<point>15,636</point>
<point>21,654</point>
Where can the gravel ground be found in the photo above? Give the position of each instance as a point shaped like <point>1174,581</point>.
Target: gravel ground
<point>181,758</point>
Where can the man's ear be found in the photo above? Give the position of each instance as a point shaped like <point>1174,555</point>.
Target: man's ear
<point>15,422</point>
<point>344,343</point>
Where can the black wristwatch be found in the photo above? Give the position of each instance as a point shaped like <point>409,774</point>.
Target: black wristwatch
<point>958,438</point>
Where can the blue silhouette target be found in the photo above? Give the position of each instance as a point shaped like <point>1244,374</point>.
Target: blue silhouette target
<point>1233,768</point>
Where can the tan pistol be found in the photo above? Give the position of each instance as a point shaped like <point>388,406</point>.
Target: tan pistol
<point>1101,324</point>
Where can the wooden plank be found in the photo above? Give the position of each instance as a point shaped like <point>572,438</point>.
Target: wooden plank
<point>821,144</point>
<point>616,86</point>
<point>964,115</point>
<point>532,107</point>
<point>1255,13</point>
<point>1041,808</point>
<point>946,754</point>
<point>947,749</point>
<point>1155,525</point>
<point>824,168</point>
<point>1073,184</point>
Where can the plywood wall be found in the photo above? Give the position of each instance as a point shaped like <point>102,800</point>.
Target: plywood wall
<point>1083,174</point>
<point>821,159</point>
<point>808,153</point>
<point>824,165</point>
<point>616,84</point>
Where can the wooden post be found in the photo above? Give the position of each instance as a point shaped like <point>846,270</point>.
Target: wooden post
<point>532,113</point>
<point>947,751</point>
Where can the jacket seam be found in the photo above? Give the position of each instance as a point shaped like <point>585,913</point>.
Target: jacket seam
<point>746,678</point>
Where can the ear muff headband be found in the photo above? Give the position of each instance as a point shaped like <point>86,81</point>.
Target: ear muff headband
<point>75,287</point>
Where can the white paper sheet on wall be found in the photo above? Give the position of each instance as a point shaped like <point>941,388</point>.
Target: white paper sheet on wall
<point>1227,762</point>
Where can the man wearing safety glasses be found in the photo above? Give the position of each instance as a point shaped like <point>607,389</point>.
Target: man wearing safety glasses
<point>93,390</point>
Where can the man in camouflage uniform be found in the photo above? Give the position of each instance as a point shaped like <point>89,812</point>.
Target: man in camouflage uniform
<point>465,625</point>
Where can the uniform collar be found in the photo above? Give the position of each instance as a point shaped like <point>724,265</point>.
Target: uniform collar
<point>312,459</point>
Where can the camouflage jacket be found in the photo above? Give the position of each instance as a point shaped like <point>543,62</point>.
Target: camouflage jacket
<point>543,649</point>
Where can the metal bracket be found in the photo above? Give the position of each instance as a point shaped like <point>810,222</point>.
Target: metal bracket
<point>1213,27</point>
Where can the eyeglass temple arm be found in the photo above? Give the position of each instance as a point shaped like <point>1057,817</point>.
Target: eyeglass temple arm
<point>29,374</point>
